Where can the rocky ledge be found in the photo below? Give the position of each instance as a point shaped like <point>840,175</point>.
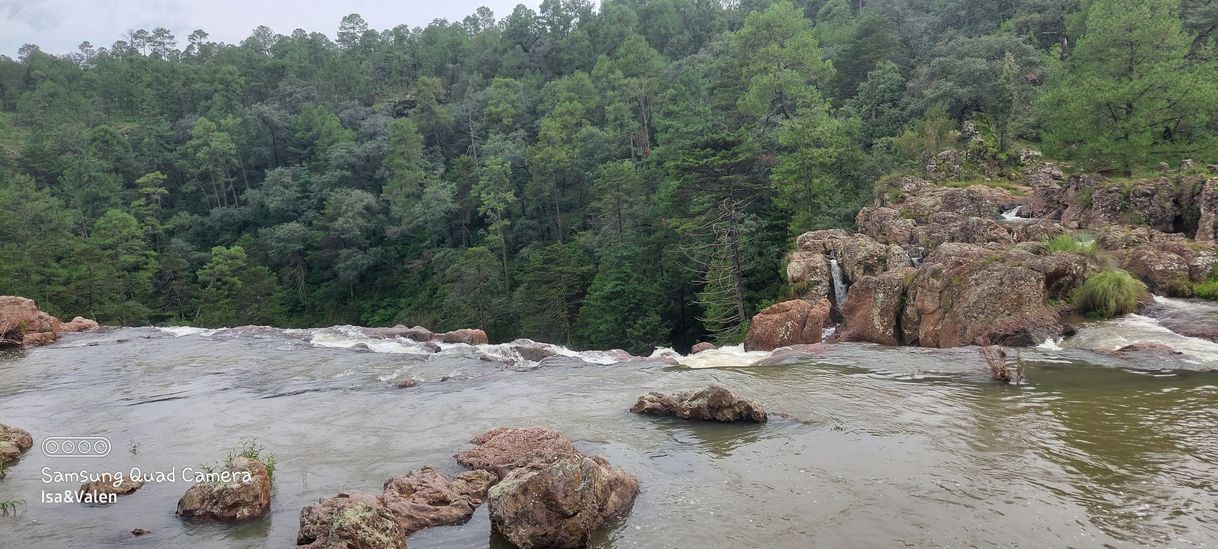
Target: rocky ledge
<point>23,325</point>
<point>13,443</point>
<point>947,264</point>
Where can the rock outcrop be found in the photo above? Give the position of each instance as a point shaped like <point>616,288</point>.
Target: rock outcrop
<point>562,504</point>
<point>788,323</point>
<point>13,442</point>
<point>874,307</point>
<point>421,499</point>
<point>703,346</point>
<point>23,325</point>
<point>246,494</point>
<point>713,403</point>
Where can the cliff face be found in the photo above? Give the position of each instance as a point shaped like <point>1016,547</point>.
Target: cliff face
<point>945,265</point>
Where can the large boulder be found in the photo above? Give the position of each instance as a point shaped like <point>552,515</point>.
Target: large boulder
<point>425,497</point>
<point>562,504</point>
<point>808,274</point>
<point>13,442</point>
<point>887,226</point>
<point>504,449</point>
<point>965,294</point>
<point>1164,272</point>
<point>350,521</point>
<point>973,201</point>
<point>1207,224</point>
<point>713,403</point>
<point>701,347</point>
<point>23,325</point>
<point>465,335</point>
<point>245,494</point>
<point>787,323</point>
<point>874,307</point>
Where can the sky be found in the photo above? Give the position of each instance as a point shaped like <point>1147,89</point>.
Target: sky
<point>59,26</point>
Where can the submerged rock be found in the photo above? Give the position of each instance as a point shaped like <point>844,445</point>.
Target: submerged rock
<point>350,521</point>
<point>466,335</point>
<point>504,449</point>
<point>562,504</point>
<point>105,485</point>
<point>788,323</point>
<point>13,443</point>
<point>713,403</point>
<point>246,496</point>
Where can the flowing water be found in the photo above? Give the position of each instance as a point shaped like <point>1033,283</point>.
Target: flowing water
<point>868,446</point>
<point>840,290</point>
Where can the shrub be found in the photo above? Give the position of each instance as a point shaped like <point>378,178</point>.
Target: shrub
<point>1072,242</point>
<point>1110,293</point>
<point>1207,289</point>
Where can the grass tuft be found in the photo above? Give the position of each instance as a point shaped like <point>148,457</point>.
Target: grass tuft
<point>1109,294</point>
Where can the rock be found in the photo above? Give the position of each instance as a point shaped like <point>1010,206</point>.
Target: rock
<point>504,449</point>
<point>861,255</point>
<point>1148,348</point>
<point>532,351</point>
<point>38,339</point>
<point>787,323</point>
<point>561,505</point>
<point>703,346</point>
<point>946,227</point>
<point>973,201</point>
<point>465,335</point>
<point>425,497</point>
<point>887,226</point>
<point>105,486</point>
<point>140,532</point>
<point>13,442</point>
<point>350,521</point>
<point>22,324</point>
<point>945,166</point>
<point>1164,272</point>
<point>78,324</point>
<point>808,274</point>
<point>246,496</point>
<point>714,403</point>
<point>964,293</point>
<point>1207,224</point>
<point>408,383</point>
<point>418,333</point>
<point>783,356</point>
<point>874,307</point>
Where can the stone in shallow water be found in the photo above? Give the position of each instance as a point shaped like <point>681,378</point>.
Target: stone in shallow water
<point>349,521</point>
<point>13,442</point>
<point>561,505</point>
<point>715,403</point>
<point>505,449</point>
<point>230,501</point>
<point>104,486</point>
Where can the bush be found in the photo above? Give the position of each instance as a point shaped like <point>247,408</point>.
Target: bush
<point>1206,290</point>
<point>1072,242</point>
<point>1111,293</point>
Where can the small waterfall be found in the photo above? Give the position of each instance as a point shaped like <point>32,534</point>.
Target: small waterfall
<point>839,283</point>
<point>916,255</point>
<point>1012,214</point>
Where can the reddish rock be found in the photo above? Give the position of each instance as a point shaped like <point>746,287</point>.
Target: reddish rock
<point>426,498</point>
<point>886,226</point>
<point>703,346</point>
<point>38,339</point>
<point>242,498</point>
<point>874,306</point>
<point>1149,348</point>
<point>78,324</point>
<point>562,504</point>
<point>465,335</point>
<point>533,351</point>
<point>714,403</point>
<point>350,521</point>
<point>13,442</point>
<point>1164,272</point>
<point>787,323</point>
<point>808,274</point>
<point>505,449</point>
<point>1207,225</point>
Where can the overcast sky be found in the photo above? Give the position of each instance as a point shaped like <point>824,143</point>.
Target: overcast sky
<point>59,26</point>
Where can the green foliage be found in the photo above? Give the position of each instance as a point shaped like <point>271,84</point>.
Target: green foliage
<point>250,448</point>
<point>1074,243</point>
<point>1128,95</point>
<point>1109,294</point>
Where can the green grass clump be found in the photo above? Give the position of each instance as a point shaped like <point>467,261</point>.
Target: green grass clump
<point>1071,242</point>
<point>1110,293</point>
<point>251,449</point>
<point>1206,290</point>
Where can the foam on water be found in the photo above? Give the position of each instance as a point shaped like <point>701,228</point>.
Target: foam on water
<point>179,331</point>
<point>1130,329</point>
<point>733,356</point>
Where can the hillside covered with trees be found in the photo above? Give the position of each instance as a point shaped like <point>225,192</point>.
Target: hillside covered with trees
<point>627,175</point>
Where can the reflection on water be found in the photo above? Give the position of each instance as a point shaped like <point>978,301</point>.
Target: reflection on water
<point>868,446</point>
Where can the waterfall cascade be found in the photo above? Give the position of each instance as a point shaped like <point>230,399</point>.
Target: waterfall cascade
<point>916,255</point>
<point>839,283</point>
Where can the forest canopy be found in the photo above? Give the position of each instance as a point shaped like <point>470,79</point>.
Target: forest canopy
<point>624,175</point>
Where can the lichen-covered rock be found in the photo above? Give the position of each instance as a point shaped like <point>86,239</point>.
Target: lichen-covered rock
<point>504,449</point>
<point>426,497</point>
<point>246,496</point>
<point>1207,224</point>
<point>561,505</point>
<point>78,324</point>
<point>350,521</point>
<point>964,293</point>
<point>874,307</point>
<point>713,403</point>
<point>105,485</point>
<point>13,442</point>
<point>887,226</point>
<point>787,323</point>
<point>808,274</point>
<point>1164,272</point>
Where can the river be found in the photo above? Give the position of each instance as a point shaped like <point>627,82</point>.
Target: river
<point>870,446</point>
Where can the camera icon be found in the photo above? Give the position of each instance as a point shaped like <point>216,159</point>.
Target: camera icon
<point>76,447</point>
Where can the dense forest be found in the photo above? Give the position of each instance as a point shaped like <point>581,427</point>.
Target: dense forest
<point>625,175</point>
